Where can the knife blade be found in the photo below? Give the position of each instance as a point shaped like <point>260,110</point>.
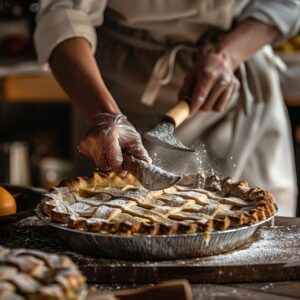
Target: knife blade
<point>150,176</point>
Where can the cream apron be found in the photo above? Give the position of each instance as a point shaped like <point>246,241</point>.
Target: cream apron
<point>250,140</point>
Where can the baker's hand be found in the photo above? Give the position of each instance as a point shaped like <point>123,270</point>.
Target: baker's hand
<point>107,138</point>
<point>211,83</point>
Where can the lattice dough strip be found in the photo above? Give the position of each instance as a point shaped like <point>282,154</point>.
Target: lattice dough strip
<point>183,215</point>
<point>83,209</point>
<point>24,283</point>
<point>106,213</point>
<point>198,197</point>
<point>234,201</point>
<point>209,209</point>
<point>64,207</point>
<point>120,203</point>
<point>123,217</point>
<point>149,202</point>
<point>226,200</point>
<point>128,188</point>
<point>144,199</point>
<point>61,194</point>
<point>26,263</point>
<point>152,215</point>
<point>166,210</point>
<point>247,208</point>
<point>6,272</point>
<point>230,213</point>
<point>170,190</point>
<point>134,194</point>
<point>175,201</point>
<point>95,200</point>
<point>194,207</point>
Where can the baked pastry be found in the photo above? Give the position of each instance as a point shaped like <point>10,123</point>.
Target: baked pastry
<point>36,275</point>
<point>111,204</point>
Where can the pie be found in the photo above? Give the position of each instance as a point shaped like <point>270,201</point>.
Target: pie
<point>36,275</point>
<point>115,205</point>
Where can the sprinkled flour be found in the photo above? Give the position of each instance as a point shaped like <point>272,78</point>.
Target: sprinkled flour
<point>270,245</point>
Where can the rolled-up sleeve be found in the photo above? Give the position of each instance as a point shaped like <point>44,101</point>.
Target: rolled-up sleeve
<point>61,20</point>
<point>283,14</point>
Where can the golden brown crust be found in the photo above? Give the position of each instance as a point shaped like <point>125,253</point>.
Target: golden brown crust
<point>99,181</point>
<point>35,274</point>
<point>215,204</point>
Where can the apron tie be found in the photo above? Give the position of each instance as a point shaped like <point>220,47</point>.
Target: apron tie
<point>162,73</point>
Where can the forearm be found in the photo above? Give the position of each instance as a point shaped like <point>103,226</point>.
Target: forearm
<point>246,39</point>
<point>75,68</point>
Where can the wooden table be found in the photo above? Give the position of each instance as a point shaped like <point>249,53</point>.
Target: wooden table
<point>232,290</point>
<point>269,290</point>
<point>263,291</point>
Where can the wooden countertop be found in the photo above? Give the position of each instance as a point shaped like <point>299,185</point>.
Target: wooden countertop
<point>275,285</point>
<point>268,290</point>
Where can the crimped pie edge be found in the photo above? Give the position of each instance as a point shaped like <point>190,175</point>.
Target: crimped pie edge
<point>263,201</point>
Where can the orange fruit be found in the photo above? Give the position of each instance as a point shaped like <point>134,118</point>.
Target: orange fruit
<point>8,205</point>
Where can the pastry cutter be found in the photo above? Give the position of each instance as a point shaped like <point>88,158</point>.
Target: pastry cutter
<point>150,176</point>
<point>163,133</point>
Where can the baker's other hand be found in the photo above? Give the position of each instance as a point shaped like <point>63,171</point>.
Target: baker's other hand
<point>211,83</point>
<point>107,138</point>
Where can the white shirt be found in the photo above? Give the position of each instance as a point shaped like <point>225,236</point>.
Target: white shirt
<point>180,20</point>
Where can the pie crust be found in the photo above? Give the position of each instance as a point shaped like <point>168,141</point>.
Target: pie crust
<point>36,275</point>
<point>111,204</point>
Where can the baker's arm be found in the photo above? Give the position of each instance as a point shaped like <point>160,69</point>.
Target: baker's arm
<point>74,66</point>
<point>245,40</point>
<point>282,14</point>
<point>211,83</point>
<point>65,37</point>
<point>109,134</point>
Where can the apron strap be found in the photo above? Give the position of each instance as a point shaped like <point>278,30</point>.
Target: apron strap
<point>162,73</point>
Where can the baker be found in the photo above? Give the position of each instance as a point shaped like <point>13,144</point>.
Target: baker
<point>150,53</point>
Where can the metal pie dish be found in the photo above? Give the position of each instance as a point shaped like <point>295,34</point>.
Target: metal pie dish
<point>158,247</point>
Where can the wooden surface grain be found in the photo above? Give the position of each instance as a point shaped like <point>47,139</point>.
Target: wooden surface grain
<point>263,290</point>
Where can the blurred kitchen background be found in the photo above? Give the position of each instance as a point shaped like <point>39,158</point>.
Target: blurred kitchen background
<point>37,145</point>
<point>35,114</point>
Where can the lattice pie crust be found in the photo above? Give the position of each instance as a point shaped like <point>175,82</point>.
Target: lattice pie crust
<point>36,275</point>
<point>111,204</point>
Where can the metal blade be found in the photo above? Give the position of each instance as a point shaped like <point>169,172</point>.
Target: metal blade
<point>149,175</point>
<point>163,134</point>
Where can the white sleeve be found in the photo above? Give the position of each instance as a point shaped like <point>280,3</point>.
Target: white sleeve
<point>283,14</point>
<point>60,20</point>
